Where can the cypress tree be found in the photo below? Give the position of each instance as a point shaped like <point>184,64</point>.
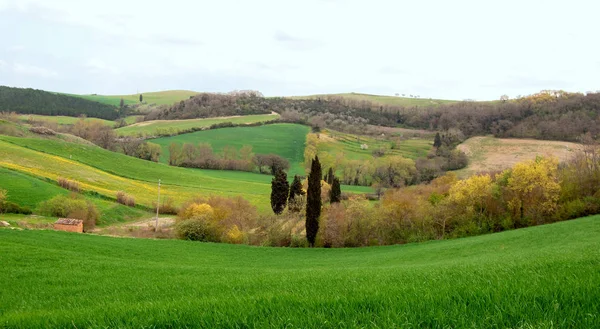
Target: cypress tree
<point>141,98</point>
<point>329,176</point>
<point>437,141</point>
<point>279,192</point>
<point>335,195</point>
<point>295,190</point>
<point>313,201</point>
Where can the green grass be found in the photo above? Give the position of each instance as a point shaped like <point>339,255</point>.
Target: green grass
<point>349,145</point>
<point>65,120</point>
<point>385,100</point>
<point>153,128</point>
<point>286,140</point>
<point>540,277</point>
<point>167,97</point>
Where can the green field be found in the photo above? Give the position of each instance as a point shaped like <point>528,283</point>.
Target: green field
<point>157,127</point>
<point>384,100</point>
<point>107,172</point>
<point>335,143</point>
<point>286,140</point>
<point>65,120</point>
<point>167,97</point>
<point>539,277</point>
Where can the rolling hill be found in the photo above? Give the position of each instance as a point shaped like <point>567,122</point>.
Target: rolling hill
<point>539,277</point>
<point>166,97</point>
<point>381,99</point>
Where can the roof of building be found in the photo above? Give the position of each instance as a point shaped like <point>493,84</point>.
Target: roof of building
<point>68,221</point>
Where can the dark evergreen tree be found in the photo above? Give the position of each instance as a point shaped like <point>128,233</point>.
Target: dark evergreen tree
<point>329,176</point>
<point>295,191</point>
<point>279,192</point>
<point>141,98</point>
<point>122,103</point>
<point>437,141</point>
<point>313,201</point>
<point>335,195</point>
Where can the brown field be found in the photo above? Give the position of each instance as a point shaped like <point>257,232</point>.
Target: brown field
<point>492,154</point>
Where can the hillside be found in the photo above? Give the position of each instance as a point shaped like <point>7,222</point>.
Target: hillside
<point>33,101</point>
<point>174,127</point>
<point>543,276</point>
<point>488,154</point>
<point>286,140</point>
<point>381,99</point>
<point>166,97</point>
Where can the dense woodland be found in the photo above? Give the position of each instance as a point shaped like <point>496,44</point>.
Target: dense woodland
<point>33,101</point>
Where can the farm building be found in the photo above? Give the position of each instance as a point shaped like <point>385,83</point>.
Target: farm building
<point>69,225</point>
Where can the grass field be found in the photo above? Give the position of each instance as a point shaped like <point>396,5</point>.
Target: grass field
<point>286,140</point>
<point>492,154</point>
<point>385,100</point>
<point>539,277</point>
<point>155,127</point>
<point>167,97</point>
<point>65,120</point>
<point>107,172</point>
<point>332,143</point>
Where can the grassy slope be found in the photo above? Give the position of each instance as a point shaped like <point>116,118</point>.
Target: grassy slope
<point>65,120</point>
<point>349,145</point>
<point>286,140</point>
<point>152,127</point>
<point>538,277</point>
<point>386,100</point>
<point>108,172</point>
<point>160,97</point>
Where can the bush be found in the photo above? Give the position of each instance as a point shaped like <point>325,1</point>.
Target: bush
<point>125,199</point>
<point>195,229</point>
<point>167,207</point>
<point>13,208</point>
<point>71,207</point>
<point>70,185</point>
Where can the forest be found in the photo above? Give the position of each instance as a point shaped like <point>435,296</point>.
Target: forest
<point>33,101</point>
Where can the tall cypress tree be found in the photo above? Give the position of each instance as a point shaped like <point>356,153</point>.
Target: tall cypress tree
<point>313,201</point>
<point>335,195</point>
<point>279,191</point>
<point>295,191</point>
<point>437,141</point>
<point>329,176</point>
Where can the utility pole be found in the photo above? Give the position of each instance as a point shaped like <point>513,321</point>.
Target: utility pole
<point>157,207</point>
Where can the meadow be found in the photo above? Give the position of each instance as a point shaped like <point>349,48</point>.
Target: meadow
<point>106,172</point>
<point>285,140</point>
<point>487,153</point>
<point>156,127</point>
<point>66,120</point>
<point>384,100</point>
<point>333,142</point>
<point>166,97</point>
<point>539,277</point>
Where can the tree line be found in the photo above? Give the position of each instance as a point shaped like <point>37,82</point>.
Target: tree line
<point>33,101</point>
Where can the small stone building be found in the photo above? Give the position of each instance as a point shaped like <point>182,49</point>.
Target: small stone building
<point>69,225</point>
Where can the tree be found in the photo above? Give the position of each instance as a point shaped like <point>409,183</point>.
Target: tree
<point>335,195</point>
<point>141,98</point>
<point>329,176</point>
<point>175,152</point>
<point>295,193</point>
<point>437,141</point>
<point>504,98</point>
<point>313,201</point>
<point>122,103</point>
<point>279,192</point>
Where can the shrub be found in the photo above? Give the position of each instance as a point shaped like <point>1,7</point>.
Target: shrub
<point>13,208</point>
<point>167,207</point>
<point>70,185</point>
<point>196,229</point>
<point>71,207</point>
<point>125,199</point>
<point>199,211</point>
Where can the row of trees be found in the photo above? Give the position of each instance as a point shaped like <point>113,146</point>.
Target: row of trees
<point>243,159</point>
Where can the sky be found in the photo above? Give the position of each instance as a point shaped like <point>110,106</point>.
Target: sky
<point>456,49</point>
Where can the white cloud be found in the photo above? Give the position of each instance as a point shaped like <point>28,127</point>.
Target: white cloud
<point>3,65</point>
<point>34,71</point>
<point>97,66</point>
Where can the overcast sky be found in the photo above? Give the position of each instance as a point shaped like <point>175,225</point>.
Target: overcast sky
<point>440,49</point>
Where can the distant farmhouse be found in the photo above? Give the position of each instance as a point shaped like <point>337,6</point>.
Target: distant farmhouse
<point>69,225</point>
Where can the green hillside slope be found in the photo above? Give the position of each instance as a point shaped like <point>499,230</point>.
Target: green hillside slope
<point>540,277</point>
<point>381,99</point>
<point>159,97</point>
